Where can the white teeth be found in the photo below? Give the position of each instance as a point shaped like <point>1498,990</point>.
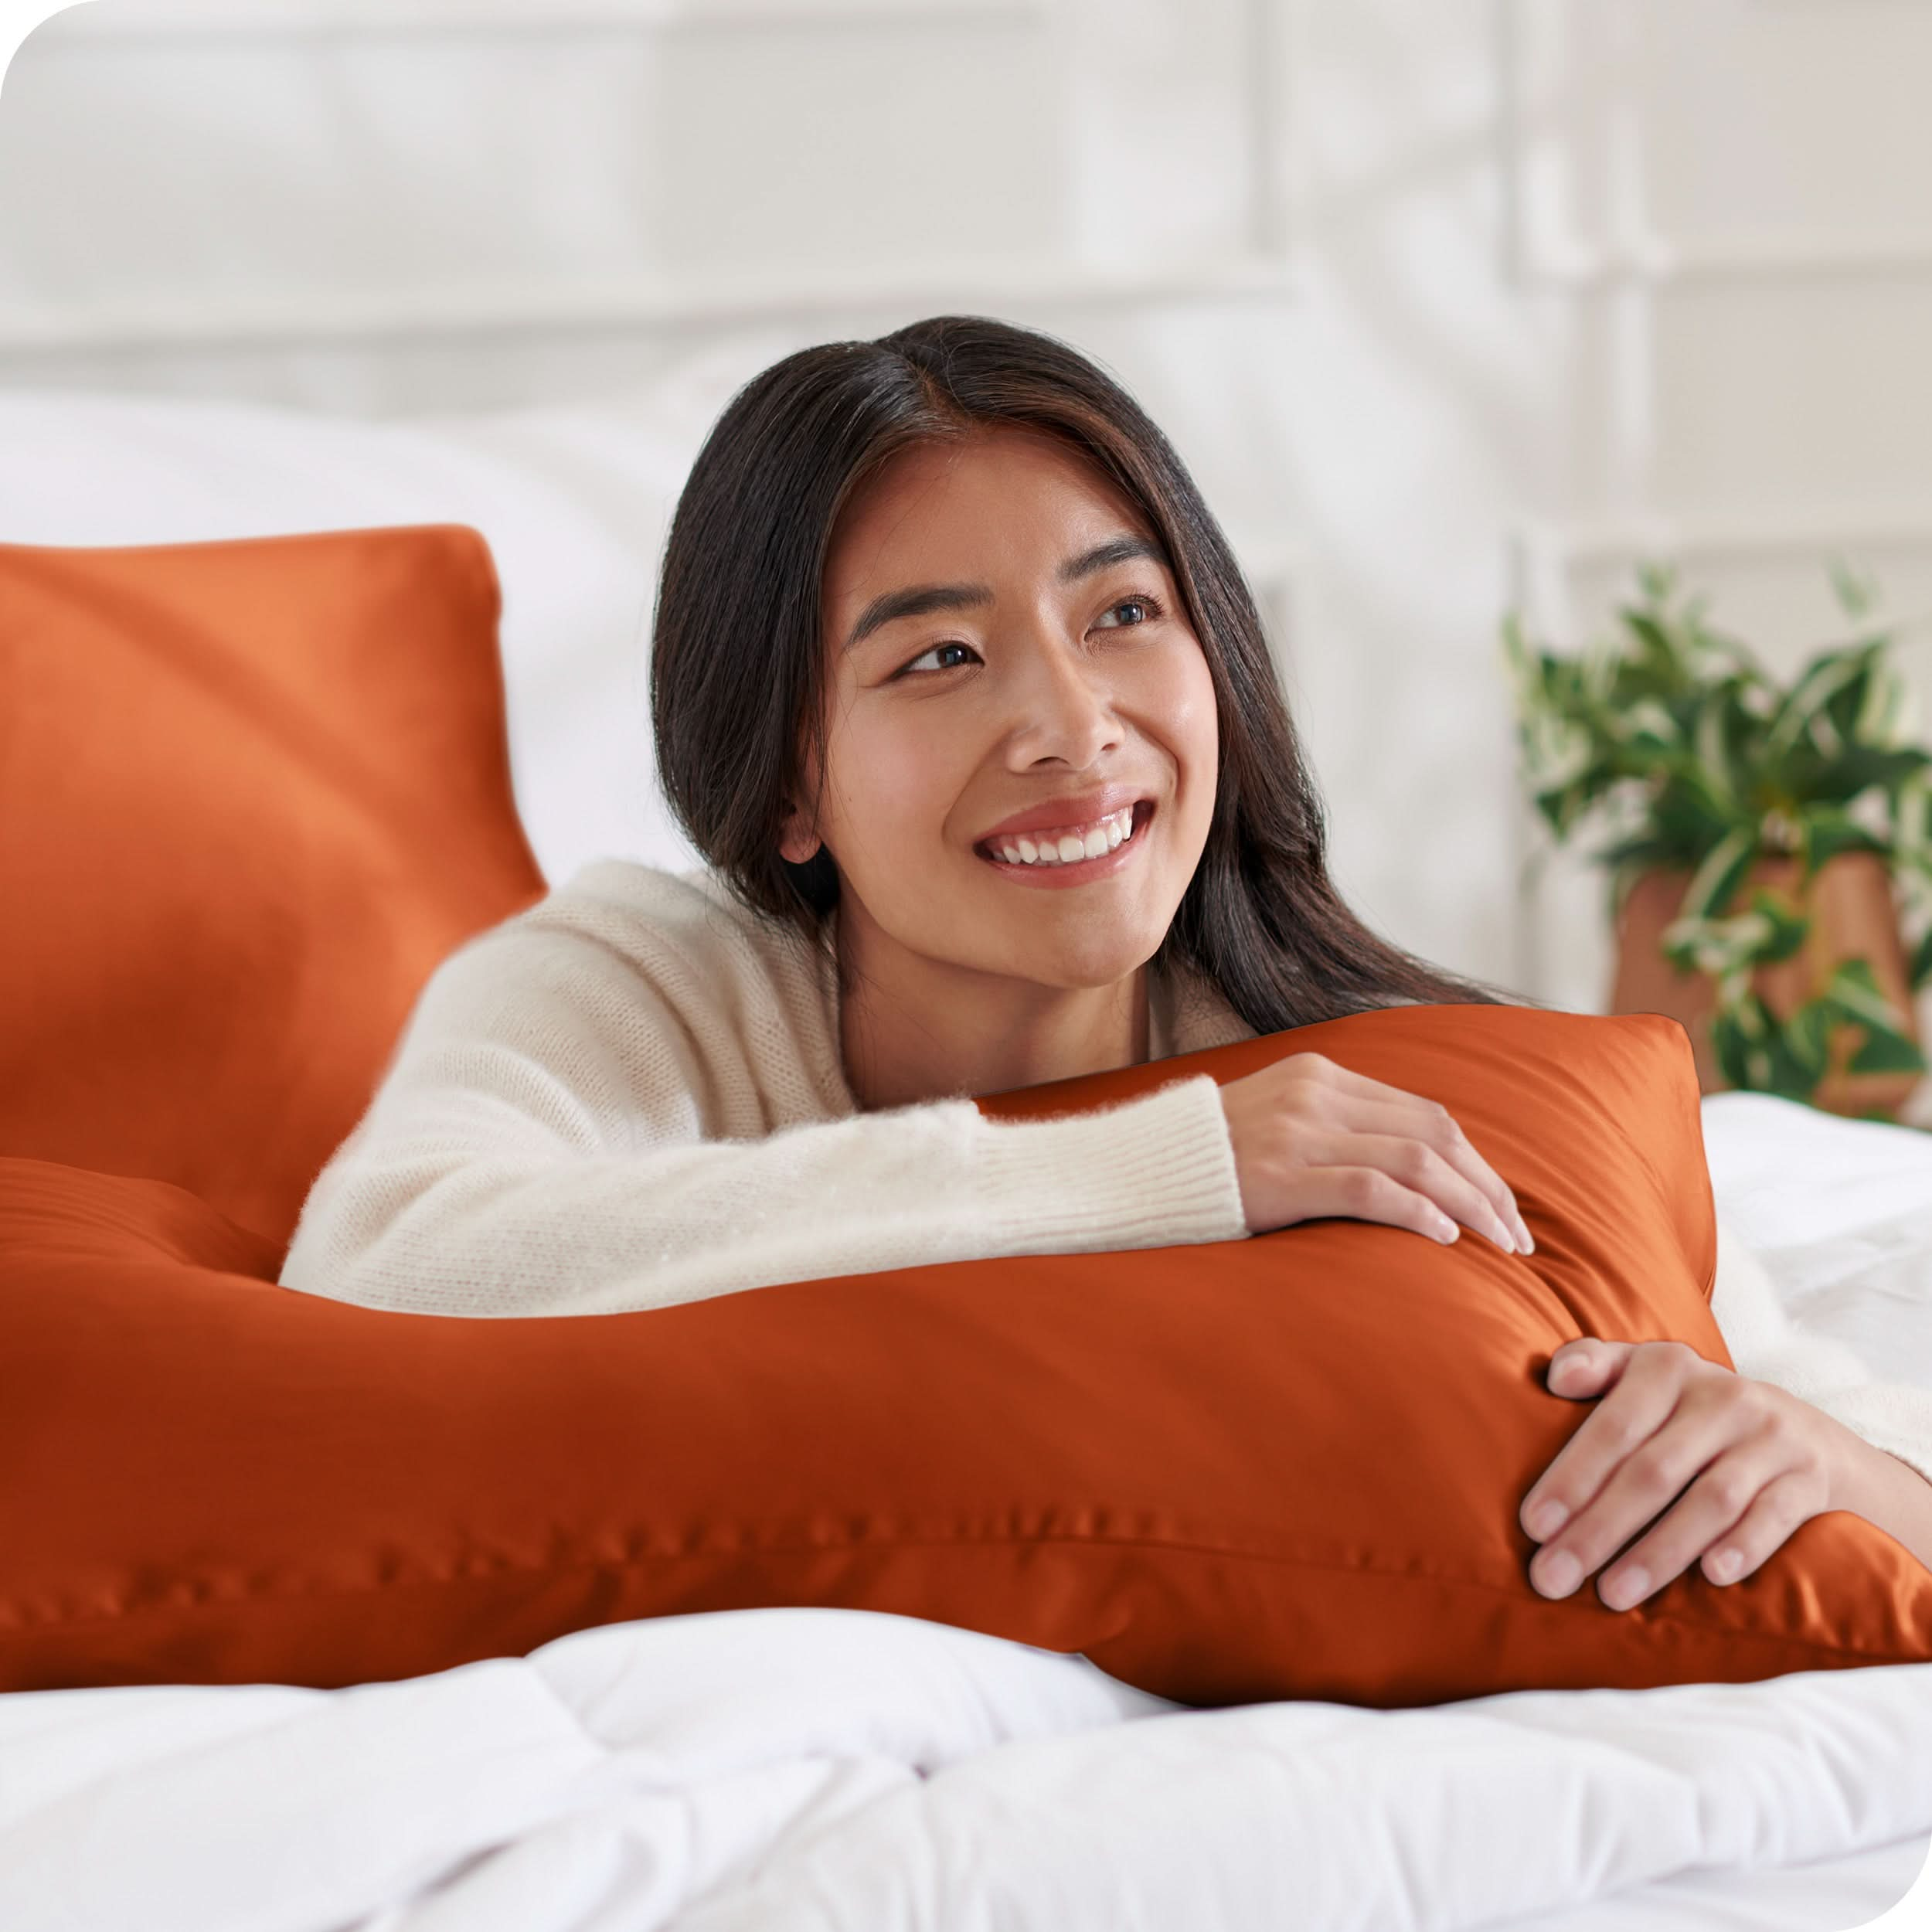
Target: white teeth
<point>1089,842</point>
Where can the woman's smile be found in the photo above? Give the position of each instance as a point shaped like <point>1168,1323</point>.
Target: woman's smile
<point>1069,854</point>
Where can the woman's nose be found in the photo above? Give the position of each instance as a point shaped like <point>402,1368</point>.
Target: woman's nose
<point>1063,708</point>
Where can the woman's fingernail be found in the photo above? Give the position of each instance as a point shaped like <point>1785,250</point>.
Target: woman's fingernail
<point>1561,1574</point>
<point>1725,1565</point>
<point>1546,1519</point>
<point>1502,1237</point>
<point>1631,1587</point>
<point>1522,1237</point>
<point>1446,1230</point>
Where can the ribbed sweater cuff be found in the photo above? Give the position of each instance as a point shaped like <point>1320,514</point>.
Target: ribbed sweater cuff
<point>1152,1171</point>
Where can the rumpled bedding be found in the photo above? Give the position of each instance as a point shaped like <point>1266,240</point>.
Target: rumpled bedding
<point>813,1770</point>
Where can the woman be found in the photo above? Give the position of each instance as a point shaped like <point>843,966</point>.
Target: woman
<point>957,686</point>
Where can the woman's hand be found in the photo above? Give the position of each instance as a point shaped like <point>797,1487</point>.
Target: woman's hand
<point>1311,1139</point>
<point>1745,1462</point>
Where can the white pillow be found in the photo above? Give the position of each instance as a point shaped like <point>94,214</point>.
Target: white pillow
<point>575,503</point>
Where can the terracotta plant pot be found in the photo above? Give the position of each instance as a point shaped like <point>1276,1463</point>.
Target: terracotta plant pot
<point>1852,917</point>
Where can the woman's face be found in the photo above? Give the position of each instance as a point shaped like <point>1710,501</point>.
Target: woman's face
<point>1021,729</point>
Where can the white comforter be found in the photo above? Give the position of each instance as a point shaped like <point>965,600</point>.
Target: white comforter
<point>838,1771</point>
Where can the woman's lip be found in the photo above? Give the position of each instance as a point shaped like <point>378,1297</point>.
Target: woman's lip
<point>1040,833</point>
<point>1081,808</point>
<point>1077,871</point>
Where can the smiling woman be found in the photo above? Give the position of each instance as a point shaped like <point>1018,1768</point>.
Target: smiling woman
<point>1019,769</point>
<point>956,683</point>
<point>925,589</point>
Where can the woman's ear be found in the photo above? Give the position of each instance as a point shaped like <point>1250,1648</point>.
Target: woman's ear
<point>796,841</point>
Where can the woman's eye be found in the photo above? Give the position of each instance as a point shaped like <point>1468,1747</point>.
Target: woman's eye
<point>937,651</point>
<point>1144,610</point>
<point>1148,608</point>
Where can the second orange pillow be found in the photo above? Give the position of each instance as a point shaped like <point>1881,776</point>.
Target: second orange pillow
<point>1283,1466</point>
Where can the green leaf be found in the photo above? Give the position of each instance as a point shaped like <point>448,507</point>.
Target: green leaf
<point>1786,929</point>
<point>1918,972</point>
<point>1856,986</point>
<point>1912,822</point>
<point>1641,851</point>
<point>1657,653</point>
<point>1887,1050</point>
<point>1808,1033</point>
<point>1756,1053</point>
<point>1689,818</point>
<point>1717,878</point>
<point>1648,724</point>
<point>1526,673</point>
<point>1828,831</point>
<point>1889,712</point>
<point>1730,1045</point>
<point>1715,945</point>
<point>1786,1073</point>
<point>1845,704</point>
<point>1712,736</point>
<point>1887,1047</point>
<point>1856,590</point>
<point>1856,768</point>
<point>1827,673</point>
<point>1656,580</point>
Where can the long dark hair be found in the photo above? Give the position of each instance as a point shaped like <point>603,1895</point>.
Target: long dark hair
<point>737,666</point>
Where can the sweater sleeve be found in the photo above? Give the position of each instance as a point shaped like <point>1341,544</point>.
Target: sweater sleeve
<point>538,1147</point>
<point>1768,1346</point>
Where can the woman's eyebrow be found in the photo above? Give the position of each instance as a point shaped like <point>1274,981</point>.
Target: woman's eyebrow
<point>919,601</point>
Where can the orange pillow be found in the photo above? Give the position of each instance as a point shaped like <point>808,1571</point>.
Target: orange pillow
<point>1284,1467</point>
<point>253,792</point>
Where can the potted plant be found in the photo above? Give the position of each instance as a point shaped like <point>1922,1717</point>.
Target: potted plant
<point>1770,845</point>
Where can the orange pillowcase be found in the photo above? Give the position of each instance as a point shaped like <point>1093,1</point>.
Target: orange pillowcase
<point>253,792</point>
<point>1284,1467</point>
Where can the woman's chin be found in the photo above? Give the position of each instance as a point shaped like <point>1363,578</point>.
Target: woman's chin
<point>1080,967</point>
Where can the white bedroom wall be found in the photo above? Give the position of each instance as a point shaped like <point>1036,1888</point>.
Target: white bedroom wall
<point>1446,302</point>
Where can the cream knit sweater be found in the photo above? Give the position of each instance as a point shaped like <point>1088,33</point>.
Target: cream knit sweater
<point>631,1094</point>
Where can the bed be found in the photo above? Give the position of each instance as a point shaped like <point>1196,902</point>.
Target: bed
<point>782,1768</point>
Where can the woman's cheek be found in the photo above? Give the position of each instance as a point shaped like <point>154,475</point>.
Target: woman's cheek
<point>1182,713</point>
<point>895,787</point>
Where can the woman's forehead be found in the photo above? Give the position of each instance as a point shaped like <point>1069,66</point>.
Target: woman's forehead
<point>964,500</point>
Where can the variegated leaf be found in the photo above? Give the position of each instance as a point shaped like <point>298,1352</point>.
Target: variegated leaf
<point>1855,989</point>
<point>1829,671</point>
<point>1716,879</point>
<point>1886,1051</point>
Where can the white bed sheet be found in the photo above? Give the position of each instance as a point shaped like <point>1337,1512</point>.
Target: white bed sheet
<point>802,1770</point>
<point>1831,1895</point>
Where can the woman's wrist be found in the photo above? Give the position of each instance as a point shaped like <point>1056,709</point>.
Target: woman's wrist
<point>1886,1491</point>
